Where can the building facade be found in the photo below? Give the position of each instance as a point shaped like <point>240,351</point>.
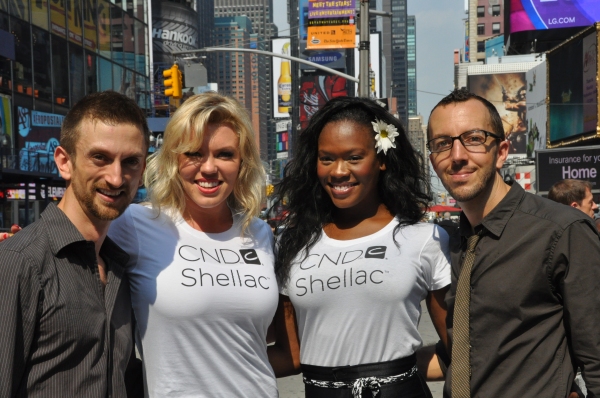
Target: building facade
<point>486,20</point>
<point>260,13</point>
<point>52,54</point>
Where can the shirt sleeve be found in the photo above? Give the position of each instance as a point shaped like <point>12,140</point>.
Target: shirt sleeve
<point>435,257</point>
<point>576,268</point>
<point>19,294</point>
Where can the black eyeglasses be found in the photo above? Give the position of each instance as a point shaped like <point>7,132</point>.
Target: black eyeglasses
<point>468,139</point>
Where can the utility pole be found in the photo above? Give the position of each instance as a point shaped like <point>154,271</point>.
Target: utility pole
<point>363,50</point>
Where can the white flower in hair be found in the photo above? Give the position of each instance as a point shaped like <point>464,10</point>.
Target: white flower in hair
<point>386,135</point>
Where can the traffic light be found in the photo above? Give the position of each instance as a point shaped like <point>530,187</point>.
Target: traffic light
<point>173,82</point>
<point>270,190</point>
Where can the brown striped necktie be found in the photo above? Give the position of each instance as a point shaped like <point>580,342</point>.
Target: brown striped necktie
<point>461,343</point>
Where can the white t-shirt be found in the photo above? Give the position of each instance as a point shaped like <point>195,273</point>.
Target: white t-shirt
<point>203,303</point>
<point>358,301</point>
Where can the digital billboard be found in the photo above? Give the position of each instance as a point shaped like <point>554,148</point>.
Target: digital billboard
<point>331,24</point>
<point>537,114</point>
<point>573,91</point>
<point>551,14</point>
<point>508,93</point>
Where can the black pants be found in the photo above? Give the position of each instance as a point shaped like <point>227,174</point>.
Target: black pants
<point>413,387</point>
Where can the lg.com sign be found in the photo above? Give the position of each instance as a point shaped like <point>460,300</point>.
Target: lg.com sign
<point>581,163</point>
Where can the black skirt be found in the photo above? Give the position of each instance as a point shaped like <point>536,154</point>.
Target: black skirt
<point>411,386</point>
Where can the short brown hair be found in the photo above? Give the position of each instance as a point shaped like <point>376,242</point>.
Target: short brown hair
<point>463,95</point>
<point>108,107</point>
<point>569,191</point>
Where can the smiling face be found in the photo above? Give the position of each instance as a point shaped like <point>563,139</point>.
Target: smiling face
<point>347,165</point>
<point>466,174</point>
<point>106,169</point>
<point>209,175</point>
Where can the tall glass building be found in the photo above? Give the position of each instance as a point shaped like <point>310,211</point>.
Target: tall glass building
<point>52,53</point>
<point>411,56</point>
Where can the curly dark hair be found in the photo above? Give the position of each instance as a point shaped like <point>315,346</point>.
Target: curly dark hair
<point>402,187</point>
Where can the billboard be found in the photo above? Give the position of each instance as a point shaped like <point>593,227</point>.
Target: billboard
<point>283,135</point>
<point>552,14</point>
<point>282,79</point>
<point>315,91</point>
<point>375,65</point>
<point>39,134</point>
<point>537,114</point>
<point>573,90</point>
<point>581,163</point>
<point>331,24</point>
<point>508,93</point>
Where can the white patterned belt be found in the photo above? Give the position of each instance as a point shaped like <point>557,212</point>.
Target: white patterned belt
<point>372,383</point>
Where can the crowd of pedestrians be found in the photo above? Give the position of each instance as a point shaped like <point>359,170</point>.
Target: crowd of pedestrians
<point>219,307</point>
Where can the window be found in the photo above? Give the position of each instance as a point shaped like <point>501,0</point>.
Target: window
<point>480,11</point>
<point>496,27</point>
<point>495,11</point>
<point>481,29</point>
<point>480,46</point>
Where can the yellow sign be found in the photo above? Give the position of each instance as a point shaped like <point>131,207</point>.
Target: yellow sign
<point>39,13</point>
<point>58,19</point>
<point>337,36</point>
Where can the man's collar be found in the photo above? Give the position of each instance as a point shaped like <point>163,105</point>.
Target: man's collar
<point>496,219</point>
<point>64,233</point>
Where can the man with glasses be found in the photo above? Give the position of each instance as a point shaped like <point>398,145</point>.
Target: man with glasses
<point>523,308</point>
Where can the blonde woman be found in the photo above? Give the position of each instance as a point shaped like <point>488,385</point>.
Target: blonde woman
<point>202,277</point>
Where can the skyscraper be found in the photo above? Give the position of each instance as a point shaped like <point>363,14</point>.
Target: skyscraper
<point>394,46</point>
<point>411,46</point>
<point>260,13</point>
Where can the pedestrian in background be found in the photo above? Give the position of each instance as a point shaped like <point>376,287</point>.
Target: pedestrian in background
<point>66,310</point>
<point>354,260</point>
<point>574,193</point>
<point>201,265</point>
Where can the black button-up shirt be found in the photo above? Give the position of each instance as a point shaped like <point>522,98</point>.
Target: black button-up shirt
<point>62,333</point>
<point>535,299</point>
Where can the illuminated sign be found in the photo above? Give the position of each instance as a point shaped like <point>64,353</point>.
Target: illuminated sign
<point>551,14</point>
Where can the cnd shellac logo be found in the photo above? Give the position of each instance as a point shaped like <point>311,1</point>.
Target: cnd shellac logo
<point>250,256</point>
<point>375,252</point>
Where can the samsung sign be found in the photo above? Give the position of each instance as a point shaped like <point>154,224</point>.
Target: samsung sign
<point>325,57</point>
<point>558,164</point>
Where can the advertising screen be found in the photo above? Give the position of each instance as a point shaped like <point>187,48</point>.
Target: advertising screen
<point>552,14</point>
<point>508,93</point>
<point>573,88</point>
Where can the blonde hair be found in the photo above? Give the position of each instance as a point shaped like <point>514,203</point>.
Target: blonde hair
<point>185,133</point>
